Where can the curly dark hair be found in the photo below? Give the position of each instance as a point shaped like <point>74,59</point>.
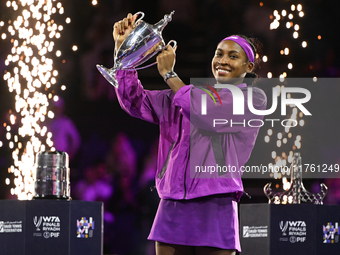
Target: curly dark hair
<point>256,46</point>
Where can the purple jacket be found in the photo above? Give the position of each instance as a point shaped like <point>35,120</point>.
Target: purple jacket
<point>188,139</point>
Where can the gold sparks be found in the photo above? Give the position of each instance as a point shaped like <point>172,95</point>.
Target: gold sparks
<point>290,19</point>
<point>30,76</point>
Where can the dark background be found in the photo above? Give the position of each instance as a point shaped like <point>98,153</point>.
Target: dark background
<point>197,26</point>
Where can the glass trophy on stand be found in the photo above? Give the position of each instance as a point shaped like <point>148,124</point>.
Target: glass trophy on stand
<point>297,192</point>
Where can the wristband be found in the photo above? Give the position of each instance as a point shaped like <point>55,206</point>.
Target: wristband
<point>169,75</point>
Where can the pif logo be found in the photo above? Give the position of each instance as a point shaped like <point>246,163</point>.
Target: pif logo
<point>239,101</point>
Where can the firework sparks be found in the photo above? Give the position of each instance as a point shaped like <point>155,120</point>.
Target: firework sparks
<point>289,18</point>
<point>31,78</point>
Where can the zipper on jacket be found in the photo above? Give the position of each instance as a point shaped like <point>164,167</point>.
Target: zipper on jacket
<point>186,167</point>
<point>185,175</point>
<point>218,152</point>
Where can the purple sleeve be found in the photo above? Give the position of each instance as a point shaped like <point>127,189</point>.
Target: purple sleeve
<point>138,102</point>
<point>219,117</point>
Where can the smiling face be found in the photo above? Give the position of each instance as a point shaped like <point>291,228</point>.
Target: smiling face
<point>230,63</point>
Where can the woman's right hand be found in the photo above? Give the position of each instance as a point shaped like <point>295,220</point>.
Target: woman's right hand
<point>123,28</point>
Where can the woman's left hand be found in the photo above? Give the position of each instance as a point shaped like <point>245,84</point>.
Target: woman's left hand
<point>166,60</point>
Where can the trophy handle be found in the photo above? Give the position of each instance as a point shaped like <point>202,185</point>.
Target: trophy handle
<point>136,24</point>
<point>172,41</point>
<point>138,20</point>
<point>159,49</point>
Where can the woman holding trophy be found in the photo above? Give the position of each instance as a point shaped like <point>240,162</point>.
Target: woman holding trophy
<point>195,215</point>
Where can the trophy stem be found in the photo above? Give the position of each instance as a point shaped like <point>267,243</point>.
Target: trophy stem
<point>109,74</point>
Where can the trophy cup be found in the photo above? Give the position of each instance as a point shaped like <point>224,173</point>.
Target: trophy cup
<point>137,47</point>
<point>52,175</point>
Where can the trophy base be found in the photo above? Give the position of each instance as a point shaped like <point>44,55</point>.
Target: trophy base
<point>109,74</point>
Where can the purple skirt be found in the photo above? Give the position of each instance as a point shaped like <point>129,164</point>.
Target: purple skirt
<point>205,221</point>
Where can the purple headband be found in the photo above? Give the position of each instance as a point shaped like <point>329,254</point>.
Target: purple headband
<point>244,44</point>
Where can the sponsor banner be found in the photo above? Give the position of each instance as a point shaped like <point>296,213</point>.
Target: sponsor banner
<point>85,227</point>
<point>331,233</point>
<point>293,231</point>
<point>255,231</point>
<point>10,226</point>
<point>47,226</point>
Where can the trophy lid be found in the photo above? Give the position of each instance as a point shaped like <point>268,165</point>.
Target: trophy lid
<point>52,159</point>
<point>159,26</point>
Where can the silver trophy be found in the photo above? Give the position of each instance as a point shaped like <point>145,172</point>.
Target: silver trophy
<point>137,47</point>
<point>52,175</point>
